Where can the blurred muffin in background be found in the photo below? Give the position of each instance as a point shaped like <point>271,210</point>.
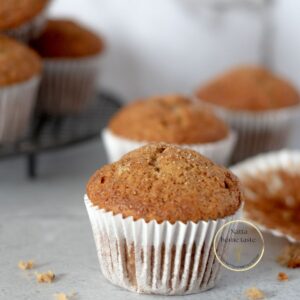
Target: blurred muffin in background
<point>158,209</point>
<point>257,103</point>
<point>71,65</point>
<point>20,69</point>
<point>22,19</point>
<point>169,118</point>
<point>272,196</point>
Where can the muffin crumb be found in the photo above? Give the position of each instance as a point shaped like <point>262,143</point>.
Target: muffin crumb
<point>282,276</point>
<point>26,265</point>
<point>61,296</point>
<point>290,256</point>
<point>254,294</point>
<point>46,277</point>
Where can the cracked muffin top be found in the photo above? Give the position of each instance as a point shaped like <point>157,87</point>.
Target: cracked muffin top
<point>64,38</point>
<point>249,88</point>
<point>169,118</point>
<point>18,62</point>
<point>14,13</point>
<point>165,183</point>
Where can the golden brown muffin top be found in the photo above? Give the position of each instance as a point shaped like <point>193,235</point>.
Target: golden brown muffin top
<point>273,200</point>
<point>165,183</point>
<point>14,13</point>
<point>63,38</point>
<point>17,62</point>
<point>171,119</point>
<point>249,88</point>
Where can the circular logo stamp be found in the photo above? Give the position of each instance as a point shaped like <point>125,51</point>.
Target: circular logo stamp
<point>239,245</point>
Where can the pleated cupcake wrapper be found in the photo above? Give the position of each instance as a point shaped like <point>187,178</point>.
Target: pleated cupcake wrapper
<point>259,131</point>
<point>29,30</point>
<point>220,151</point>
<point>68,85</point>
<point>16,106</point>
<point>152,258</point>
<point>283,160</point>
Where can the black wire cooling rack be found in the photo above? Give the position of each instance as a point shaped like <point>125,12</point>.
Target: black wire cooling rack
<point>53,133</point>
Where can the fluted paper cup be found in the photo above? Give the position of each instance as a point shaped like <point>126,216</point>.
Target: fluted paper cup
<point>16,106</point>
<point>286,160</point>
<point>259,131</point>
<point>152,258</point>
<point>219,151</point>
<point>31,29</point>
<point>68,85</point>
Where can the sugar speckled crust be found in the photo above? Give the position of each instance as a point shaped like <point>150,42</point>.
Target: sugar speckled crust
<point>165,183</point>
<point>249,88</point>
<point>18,62</point>
<point>14,13</point>
<point>169,118</point>
<point>64,38</point>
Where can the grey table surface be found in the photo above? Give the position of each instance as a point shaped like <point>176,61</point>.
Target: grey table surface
<point>45,220</point>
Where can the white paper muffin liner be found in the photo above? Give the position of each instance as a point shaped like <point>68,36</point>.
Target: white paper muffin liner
<point>68,85</point>
<point>286,160</point>
<point>152,258</point>
<point>16,106</point>
<point>220,151</point>
<point>259,131</point>
<point>31,29</point>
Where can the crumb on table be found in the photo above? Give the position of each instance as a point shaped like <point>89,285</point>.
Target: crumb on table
<point>46,277</point>
<point>282,276</point>
<point>26,265</point>
<point>61,296</point>
<point>290,256</point>
<point>254,294</point>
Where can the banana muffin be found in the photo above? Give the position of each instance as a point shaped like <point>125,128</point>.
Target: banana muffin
<point>71,55</point>
<point>161,204</point>
<point>64,38</point>
<point>22,19</point>
<point>277,207</point>
<point>169,118</point>
<point>260,105</point>
<point>272,199</point>
<point>20,69</point>
<point>250,88</point>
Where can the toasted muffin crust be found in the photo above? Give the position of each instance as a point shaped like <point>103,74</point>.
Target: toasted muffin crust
<point>14,13</point>
<point>17,62</point>
<point>249,88</point>
<point>165,183</point>
<point>65,38</point>
<point>170,118</point>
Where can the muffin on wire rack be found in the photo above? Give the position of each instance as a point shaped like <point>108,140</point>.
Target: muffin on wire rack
<point>71,56</point>
<point>23,20</point>
<point>20,72</point>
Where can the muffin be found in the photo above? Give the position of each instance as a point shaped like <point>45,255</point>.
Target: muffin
<point>24,19</point>
<point>272,197</point>
<point>71,58</point>
<point>257,103</point>
<point>20,69</point>
<point>154,215</point>
<point>172,119</point>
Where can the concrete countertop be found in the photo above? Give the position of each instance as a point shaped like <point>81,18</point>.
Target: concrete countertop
<point>45,220</point>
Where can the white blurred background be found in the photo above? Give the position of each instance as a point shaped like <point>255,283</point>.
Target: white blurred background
<point>173,45</point>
